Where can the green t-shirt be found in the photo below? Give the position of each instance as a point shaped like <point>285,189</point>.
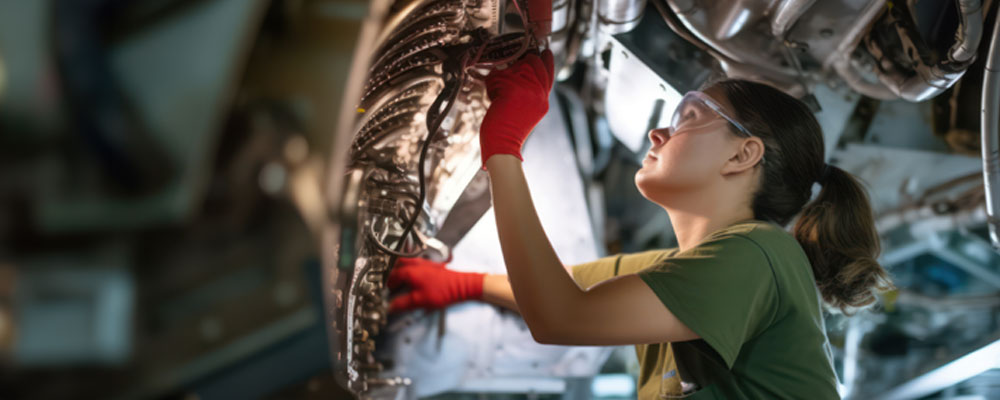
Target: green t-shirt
<point>748,292</point>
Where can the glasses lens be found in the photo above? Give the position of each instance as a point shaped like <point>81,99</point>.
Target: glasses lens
<point>690,113</point>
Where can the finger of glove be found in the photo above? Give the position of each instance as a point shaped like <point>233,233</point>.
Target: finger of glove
<point>403,262</point>
<point>405,302</point>
<point>398,277</point>
<point>497,75</point>
<point>495,86</point>
<point>547,59</point>
<point>540,70</point>
<point>499,85</point>
<point>406,261</point>
<point>519,83</point>
<point>531,81</point>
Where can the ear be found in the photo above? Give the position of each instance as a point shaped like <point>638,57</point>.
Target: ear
<point>748,154</point>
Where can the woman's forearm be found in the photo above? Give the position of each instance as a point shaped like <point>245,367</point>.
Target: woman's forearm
<point>497,291</point>
<point>542,288</point>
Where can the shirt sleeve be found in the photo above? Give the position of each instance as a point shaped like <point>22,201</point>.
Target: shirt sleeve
<point>594,272</point>
<point>724,290</point>
<point>589,274</point>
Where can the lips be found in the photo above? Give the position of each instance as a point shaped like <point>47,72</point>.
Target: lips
<point>650,157</point>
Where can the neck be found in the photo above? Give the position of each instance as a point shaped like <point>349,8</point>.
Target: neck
<point>694,218</point>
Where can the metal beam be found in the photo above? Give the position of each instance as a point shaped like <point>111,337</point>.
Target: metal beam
<point>944,246</point>
<point>950,374</point>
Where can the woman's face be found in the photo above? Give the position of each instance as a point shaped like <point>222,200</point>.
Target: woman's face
<point>690,157</point>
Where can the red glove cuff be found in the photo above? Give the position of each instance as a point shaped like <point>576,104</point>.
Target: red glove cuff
<point>469,285</point>
<point>500,144</point>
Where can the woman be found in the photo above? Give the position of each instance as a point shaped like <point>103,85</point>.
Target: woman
<point>734,311</point>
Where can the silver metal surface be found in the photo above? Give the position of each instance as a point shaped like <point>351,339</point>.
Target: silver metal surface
<point>636,98</point>
<point>732,19</point>
<point>990,121</point>
<point>720,26</point>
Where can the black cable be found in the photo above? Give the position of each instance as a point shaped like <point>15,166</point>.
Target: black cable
<point>381,246</point>
<point>433,125</point>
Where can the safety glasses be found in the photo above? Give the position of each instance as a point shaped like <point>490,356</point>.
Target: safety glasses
<point>697,110</point>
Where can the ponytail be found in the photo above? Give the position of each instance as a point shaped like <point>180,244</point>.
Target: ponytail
<point>837,232</point>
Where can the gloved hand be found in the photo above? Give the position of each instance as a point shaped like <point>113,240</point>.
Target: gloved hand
<point>519,98</point>
<point>432,286</point>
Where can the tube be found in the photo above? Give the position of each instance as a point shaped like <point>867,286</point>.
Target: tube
<point>875,90</point>
<point>841,62</point>
<point>991,130</point>
<point>617,16</point>
<point>971,14</point>
<point>786,14</point>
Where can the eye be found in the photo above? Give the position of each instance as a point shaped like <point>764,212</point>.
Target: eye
<point>689,113</point>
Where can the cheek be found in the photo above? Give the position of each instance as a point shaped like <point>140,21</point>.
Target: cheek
<point>663,175</point>
<point>683,164</point>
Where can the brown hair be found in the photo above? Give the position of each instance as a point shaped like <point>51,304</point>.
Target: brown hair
<point>837,229</point>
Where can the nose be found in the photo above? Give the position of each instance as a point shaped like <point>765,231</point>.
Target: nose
<point>658,136</point>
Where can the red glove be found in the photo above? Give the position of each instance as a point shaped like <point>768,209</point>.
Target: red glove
<point>519,98</point>
<point>432,286</point>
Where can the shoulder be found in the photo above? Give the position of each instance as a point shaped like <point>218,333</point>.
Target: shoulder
<point>635,262</point>
<point>767,237</point>
<point>748,249</point>
<point>649,255</point>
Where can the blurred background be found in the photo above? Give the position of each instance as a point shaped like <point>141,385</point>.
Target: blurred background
<point>149,246</point>
<point>187,186</point>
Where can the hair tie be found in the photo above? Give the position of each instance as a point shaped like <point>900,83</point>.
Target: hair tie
<point>827,169</point>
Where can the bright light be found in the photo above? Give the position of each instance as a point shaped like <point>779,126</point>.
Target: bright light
<point>613,385</point>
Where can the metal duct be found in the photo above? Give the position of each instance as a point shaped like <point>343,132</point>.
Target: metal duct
<point>617,16</point>
<point>842,63</point>
<point>858,83</point>
<point>786,14</point>
<point>930,80</point>
<point>738,54</point>
<point>971,14</point>
<point>733,20</point>
<point>991,130</point>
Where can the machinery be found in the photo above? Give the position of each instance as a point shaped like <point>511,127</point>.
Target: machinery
<point>414,151</point>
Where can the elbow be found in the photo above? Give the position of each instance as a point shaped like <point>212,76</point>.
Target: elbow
<point>541,328</point>
<point>544,335</point>
<point>548,331</point>
<point>552,322</point>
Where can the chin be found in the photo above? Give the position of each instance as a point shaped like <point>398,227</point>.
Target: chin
<point>643,183</point>
<point>653,186</point>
